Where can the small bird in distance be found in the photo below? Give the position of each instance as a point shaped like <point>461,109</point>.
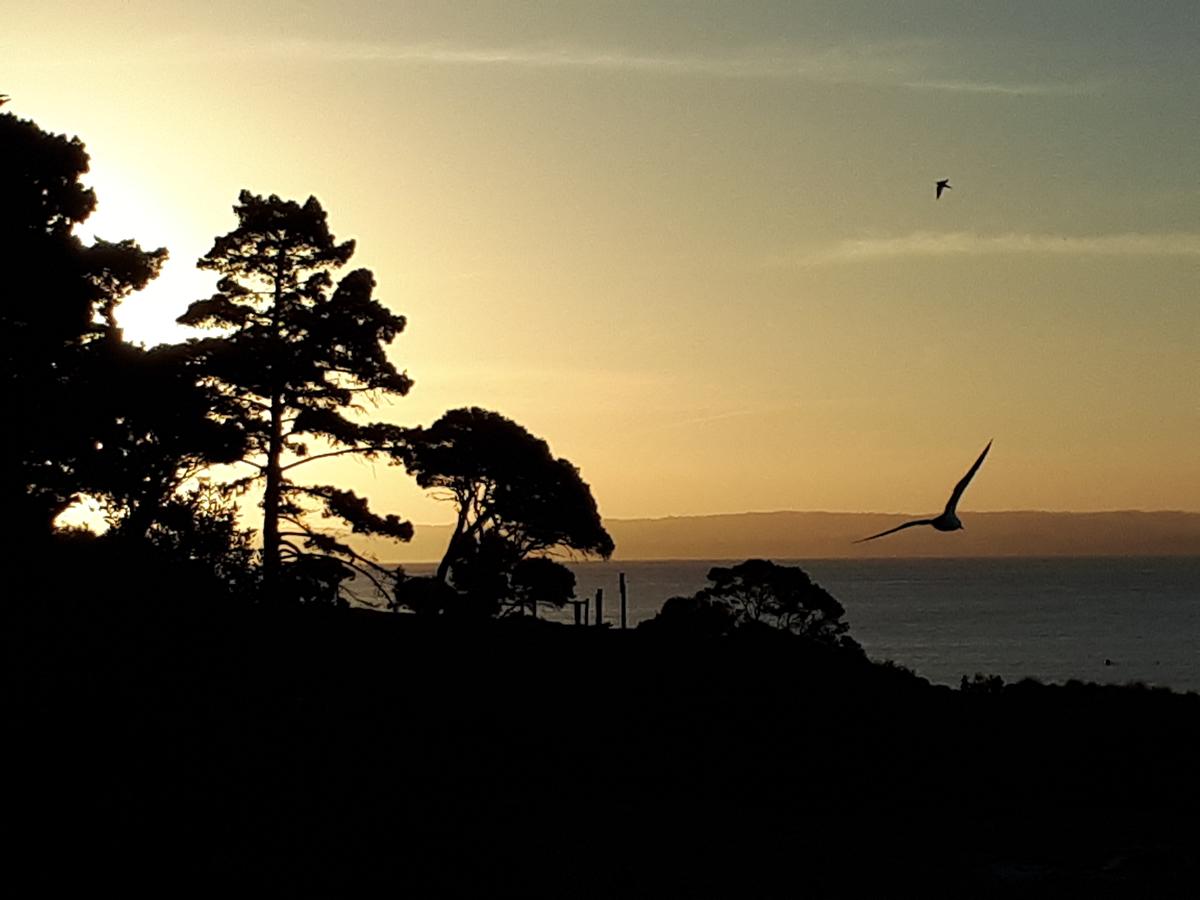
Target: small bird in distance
<point>4,98</point>
<point>943,185</point>
<point>948,520</point>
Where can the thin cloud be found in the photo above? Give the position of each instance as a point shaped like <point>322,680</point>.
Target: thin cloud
<point>961,243</point>
<point>913,65</point>
<point>1028,89</point>
<point>901,64</point>
<point>837,63</point>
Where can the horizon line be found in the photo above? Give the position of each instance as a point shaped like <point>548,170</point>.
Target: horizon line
<point>834,512</point>
<point>899,557</point>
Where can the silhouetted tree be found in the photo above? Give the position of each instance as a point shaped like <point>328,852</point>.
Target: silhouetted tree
<point>490,578</point>
<point>480,574</point>
<point>515,501</point>
<point>426,595</point>
<point>988,685</point>
<point>695,616</point>
<point>199,527</point>
<point>58,299</point>
<point>759,593</point>
<point>160,437</point>
<point>295,353</point>
<point>541,580</point>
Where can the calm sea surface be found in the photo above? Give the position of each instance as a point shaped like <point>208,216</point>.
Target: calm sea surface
<point>1051,619</point>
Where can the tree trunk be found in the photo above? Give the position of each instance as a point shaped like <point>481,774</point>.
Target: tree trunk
<point>274,487</point>
<point>272,496</point>
<point>443,569</point>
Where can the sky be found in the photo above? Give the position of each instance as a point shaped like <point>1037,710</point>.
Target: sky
<point>695,246</point>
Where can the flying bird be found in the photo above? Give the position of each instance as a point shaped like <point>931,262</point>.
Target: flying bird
<point>943,185</point>
<point>948,520</point>
<point>4,98</point>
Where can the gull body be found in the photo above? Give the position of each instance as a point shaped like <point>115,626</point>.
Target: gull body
<point>948,520</point>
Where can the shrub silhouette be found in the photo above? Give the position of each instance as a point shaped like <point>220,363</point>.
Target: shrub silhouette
<point>759,594</point>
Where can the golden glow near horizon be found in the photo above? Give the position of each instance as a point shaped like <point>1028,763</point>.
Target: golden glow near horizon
<point>697,249</point>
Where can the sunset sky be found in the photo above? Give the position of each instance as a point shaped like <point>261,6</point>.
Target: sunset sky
<point>695,246</point>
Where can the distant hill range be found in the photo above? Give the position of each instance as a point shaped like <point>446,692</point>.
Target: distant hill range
<point>826,535</point>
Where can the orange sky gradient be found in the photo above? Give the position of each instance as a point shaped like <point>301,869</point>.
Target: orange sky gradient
<point>697,249</point>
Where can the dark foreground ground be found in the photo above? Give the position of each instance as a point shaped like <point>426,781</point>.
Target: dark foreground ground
<point>313,753</point>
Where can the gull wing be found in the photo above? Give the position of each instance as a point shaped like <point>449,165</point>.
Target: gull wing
<point>966,479</point>
<point>897,528</point>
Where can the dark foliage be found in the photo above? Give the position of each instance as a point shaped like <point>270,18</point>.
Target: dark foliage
<point>199,529</point>
<point>57,303</point>
<point>492,579</point>
<point>161,433</point>
<point>541,581</point>
<point>982,684</point>
<point>758,594</point>
<point>515,501</point>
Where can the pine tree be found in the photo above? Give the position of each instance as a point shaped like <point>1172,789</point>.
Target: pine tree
<point>295,355</point>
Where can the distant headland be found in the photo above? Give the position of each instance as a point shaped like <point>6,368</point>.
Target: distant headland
<point>829,535</point>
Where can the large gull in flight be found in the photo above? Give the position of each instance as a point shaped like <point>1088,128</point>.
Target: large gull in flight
<point>948,520</point>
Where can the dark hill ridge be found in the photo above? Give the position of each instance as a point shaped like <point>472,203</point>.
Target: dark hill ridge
<point>305,749</point>
<point>831,535</point>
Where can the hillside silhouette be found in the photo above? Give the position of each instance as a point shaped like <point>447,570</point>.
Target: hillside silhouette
<point>311,749</point>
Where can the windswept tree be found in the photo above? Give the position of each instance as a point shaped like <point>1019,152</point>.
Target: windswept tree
<point>514,502</point>
<point>58,300</point>
<point>297,353</point>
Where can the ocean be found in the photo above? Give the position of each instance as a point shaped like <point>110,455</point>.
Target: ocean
<point>1108,620</point>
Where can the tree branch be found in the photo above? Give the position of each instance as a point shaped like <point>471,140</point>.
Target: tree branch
<point>316,456</point>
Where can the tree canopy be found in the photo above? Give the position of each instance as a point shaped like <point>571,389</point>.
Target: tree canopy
<point>514,499</point>
<point>758,593</point>
<point>57,313</point>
